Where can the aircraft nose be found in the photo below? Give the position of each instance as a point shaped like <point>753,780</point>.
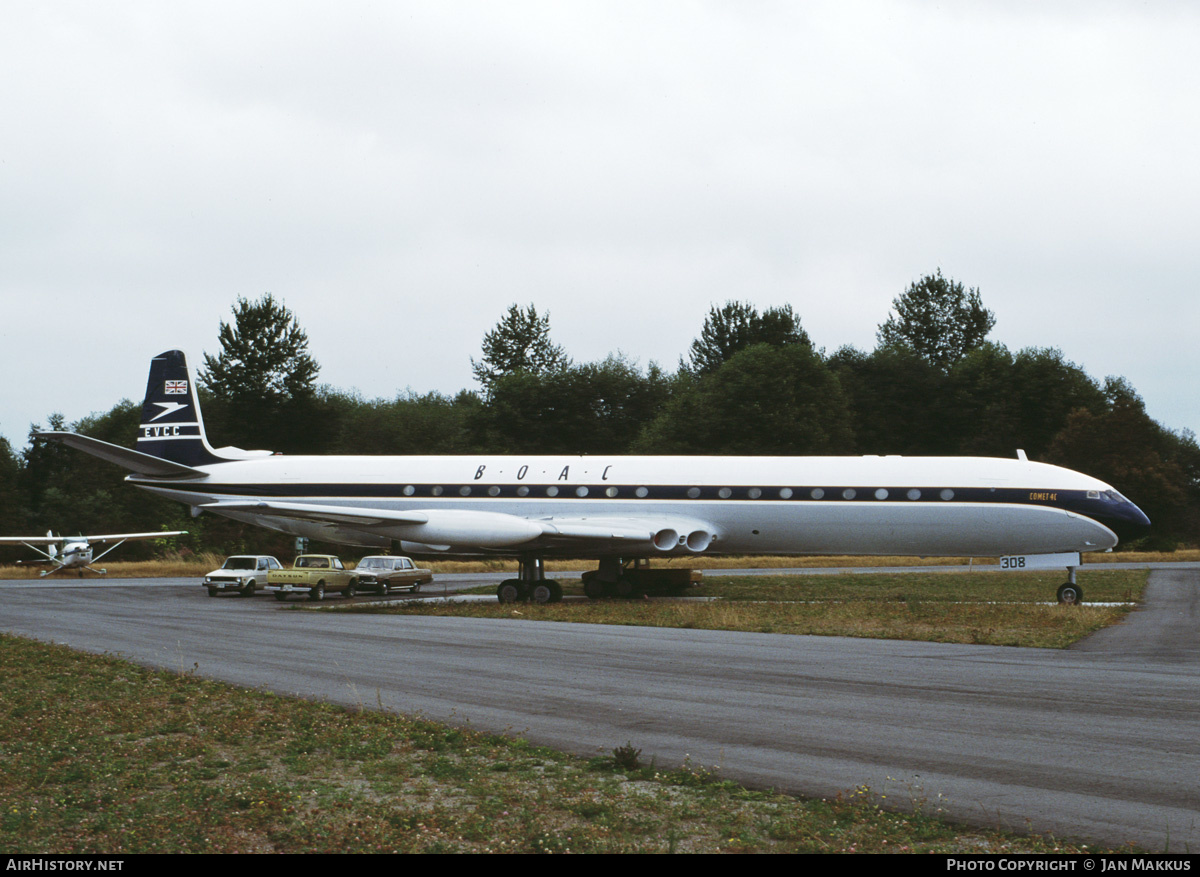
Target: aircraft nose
<point>1129,522</point>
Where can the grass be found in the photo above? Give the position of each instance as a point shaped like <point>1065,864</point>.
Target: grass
<point>987,608</point>
<point>198,565</point>
<point>101,756</point>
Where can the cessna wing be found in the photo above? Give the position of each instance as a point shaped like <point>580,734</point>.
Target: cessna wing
<point>470,530</point>
<point>112,537</point>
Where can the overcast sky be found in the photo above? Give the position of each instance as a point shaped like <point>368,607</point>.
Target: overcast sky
<point>399,173</point>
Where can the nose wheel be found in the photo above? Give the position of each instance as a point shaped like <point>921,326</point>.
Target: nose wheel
<point>1070,594</point>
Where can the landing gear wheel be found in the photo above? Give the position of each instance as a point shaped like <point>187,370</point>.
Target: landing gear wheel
<point>1070,594</point>
<point>509,591</point>
<point>317,594</point>
<point>542,593</point>
<point>555,591</point>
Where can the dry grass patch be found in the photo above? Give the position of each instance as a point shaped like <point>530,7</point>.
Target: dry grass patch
<point>101,756</point>
<point>989,608</point>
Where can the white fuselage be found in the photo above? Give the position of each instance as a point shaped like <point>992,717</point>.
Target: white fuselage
<point>745,505</point>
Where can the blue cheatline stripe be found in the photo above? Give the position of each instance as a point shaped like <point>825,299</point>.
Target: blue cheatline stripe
<point>482,491</point>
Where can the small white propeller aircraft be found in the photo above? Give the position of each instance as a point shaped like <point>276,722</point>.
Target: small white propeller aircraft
<point>76,551</point>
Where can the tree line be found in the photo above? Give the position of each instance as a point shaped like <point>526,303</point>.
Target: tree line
<point>751,383</point>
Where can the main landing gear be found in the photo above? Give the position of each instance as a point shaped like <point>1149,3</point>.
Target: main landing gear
<point>531,584</point>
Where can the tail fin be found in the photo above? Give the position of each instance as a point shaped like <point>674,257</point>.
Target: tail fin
<point>172,428</point>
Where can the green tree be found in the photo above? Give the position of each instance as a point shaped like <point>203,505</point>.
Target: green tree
<point>901,404</point>
<point>12,520</point>
<point>409,424</point>
<point>263,382</point>
<point>1153,466</point>
<point>264,355</point>
<point>939,319</point>
<point>594,408</point>
<point>765,400</point>
<point>738,325</point>
<point>519,343</point>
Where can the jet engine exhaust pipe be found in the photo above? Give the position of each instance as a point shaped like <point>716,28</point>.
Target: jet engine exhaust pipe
<point>666,539</point>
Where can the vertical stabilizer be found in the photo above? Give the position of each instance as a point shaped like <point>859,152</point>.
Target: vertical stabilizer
<point>172,428</point>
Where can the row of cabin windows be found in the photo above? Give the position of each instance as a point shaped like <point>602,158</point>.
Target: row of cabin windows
<point>694,492</point>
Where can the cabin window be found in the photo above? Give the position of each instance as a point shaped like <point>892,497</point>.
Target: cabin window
<point>641,492</point>
<point>947,494</point>
<point>693,492</point>
<point>914,494</point>
<point>817,493</point>
<point>785,493</point>
<point>551,490</point>
<point>581,491</point>
<point>849,493</point>
<point>409,490</point>
<point>755,493</point>
<point>493,491</point>
<point>612,491</point>
<point>465,490</point>
<point>881,493</point>
<point>437,491</point>
<point>724,493</point>
<point>522,490</point>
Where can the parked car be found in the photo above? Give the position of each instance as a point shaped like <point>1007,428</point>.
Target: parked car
<point>314,575</point>
<point>242,573</point>
<point>382,573</point>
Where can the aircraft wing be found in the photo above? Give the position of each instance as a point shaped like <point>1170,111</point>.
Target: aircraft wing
<point>124,537</point>
<point>466,529</point>
<point>113,537</point>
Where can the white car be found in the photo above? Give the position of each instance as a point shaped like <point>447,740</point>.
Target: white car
<point>242,573</point>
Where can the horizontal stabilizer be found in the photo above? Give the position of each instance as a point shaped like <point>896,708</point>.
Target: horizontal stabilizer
<point>134,461</point>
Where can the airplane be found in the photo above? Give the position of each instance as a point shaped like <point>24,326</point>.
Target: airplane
<point>77,550</point>
<point>618,510</point>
